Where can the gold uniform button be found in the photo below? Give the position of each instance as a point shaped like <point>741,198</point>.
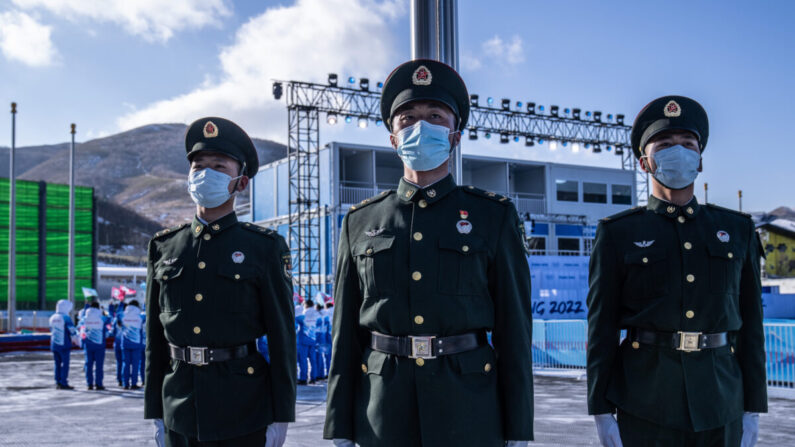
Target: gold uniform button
<point>207,237</point>
<point>645,260</point>
<point>165,277</point>
<point>423,203</point>
<point>731,255</point>
<point>670,209</point>
<point>420,362</point>
<point>690,314</point>
<point>369,251</point>
<point>690,278</point>
<point>635,345</point>
<point>418,236</point>
<point>419,320</point>
<point>237,276</point>
<point>688,245</point>
<point>487,367</point>
<point>416,276</point>
<point>681,219</point>
<point>689,210</point>
<point>364,368</point>
<point>202,265</point>
<point>465,248</point>
<point>199,297</point>
<point>250,370</point>
<point>197,330</point>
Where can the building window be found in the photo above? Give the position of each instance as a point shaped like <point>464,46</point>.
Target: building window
<point>568,190</point>
<point>538,243</point>
<point>622,194</point>
<point>594,192</point>
<point>568,246</point>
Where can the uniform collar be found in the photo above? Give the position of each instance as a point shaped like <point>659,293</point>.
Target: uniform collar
<point>197,227</point>
<point>659,206</point>
<point>409,192</point>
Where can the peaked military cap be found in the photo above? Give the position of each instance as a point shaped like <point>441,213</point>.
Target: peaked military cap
<point>213,134</point>
<point>667,113</point>
<point>424,79</point>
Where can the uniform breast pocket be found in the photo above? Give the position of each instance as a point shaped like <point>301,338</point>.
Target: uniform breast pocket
<point>172,287</point>
<point>375,265</point>
<point>647,274</point>
<point>463,261</point>
<point>237,290</point>
<point>725,264</point>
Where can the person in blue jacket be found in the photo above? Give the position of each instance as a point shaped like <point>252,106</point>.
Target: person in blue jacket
<point>94,330</point>
<point>115,309</point>
<point>132,344</point>
<point>306,343</point>
<point>143,341</point>
<point>63,336</point>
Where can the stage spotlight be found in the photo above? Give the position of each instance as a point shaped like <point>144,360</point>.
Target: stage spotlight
<point>380,84</point>
<point>610,117</point>
<point>587,145</point>
<point>576,114</point>
<point>348,119</point>
<point>540,141</point>
<point>473,100</point>
<point>588,114</point>
<point>540,108</point>
<point>490,101</point>
<point>597,116</point>
<point>531,108</point>
<point>609,148</point>
<point>565,143</point>
<point>620,119</point>
<point>503,138</point>
<point>364,84</point>
<point>362,122</point>
<point>597,148</point>
<point>506,104</point>
<point>331,119</point>
<point>277,90</point>
<point>488,135</point>
<point>553,110</point>
<point>519,104</point>
<point>528,141</point>
<point>566,111</point>
<point>575,147</point>
<point>378,122</point>
<point>619,150</point>
<point>473,134</point>
<point>332,79</point>
<point>516,138</point>
<point>553,145</point>
<point>351,80</point>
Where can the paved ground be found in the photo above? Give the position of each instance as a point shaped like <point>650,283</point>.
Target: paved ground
<point>33,413</point>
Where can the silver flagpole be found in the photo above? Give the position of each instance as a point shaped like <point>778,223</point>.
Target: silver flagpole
<point>12,228</point>
<point>72,218</point>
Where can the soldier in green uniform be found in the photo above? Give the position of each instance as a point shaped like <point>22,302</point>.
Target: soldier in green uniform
<point>683,280</point>
<point>214,286</point>
<point>422,274</point>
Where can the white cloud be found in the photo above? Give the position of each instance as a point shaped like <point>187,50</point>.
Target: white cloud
<point>24,39</point>
<point>496,51</point>
<point>153,20</point>
<point>304,41</point>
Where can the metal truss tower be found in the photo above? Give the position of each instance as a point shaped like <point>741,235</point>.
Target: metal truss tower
<point>306,101</point>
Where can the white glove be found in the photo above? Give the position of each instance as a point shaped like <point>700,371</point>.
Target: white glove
<point>607,429</point>
<point>516,443</point>
<point>276,434</point>
<point>750,429</point>
<point>160,433</point>
<point>343,443</point>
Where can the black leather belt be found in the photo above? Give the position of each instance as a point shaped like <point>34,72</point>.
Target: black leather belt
<point>202,355</point>
<point>681,341</point>
<point>426,347</point>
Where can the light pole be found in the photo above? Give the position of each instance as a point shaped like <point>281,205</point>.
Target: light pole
<point>12,228</point>
<point>71,281</point>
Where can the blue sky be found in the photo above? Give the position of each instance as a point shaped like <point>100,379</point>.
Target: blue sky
<point>111,65</point>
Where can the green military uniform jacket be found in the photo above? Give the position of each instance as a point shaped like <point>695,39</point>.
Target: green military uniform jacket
<point>675,268</point>
<point>222,284</point>
<point>404,268</point>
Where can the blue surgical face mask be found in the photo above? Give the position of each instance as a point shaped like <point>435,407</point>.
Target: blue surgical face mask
<point>209,188</point>
<point>423,146</point>
<point>677,166</point>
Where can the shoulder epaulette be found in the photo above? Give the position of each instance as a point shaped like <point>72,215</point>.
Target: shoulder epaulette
<point>729,210</point>
<point>171,230</point>
<point>624,213</point>
<point>258,229</point>
<point>487,194</point>
<point>377,198</point>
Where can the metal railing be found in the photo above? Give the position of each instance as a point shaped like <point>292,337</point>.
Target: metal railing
<point>529,203</point>
<point>355,194</point>
<point>562,344</point>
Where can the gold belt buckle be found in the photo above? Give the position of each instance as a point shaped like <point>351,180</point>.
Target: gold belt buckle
<point>688,341</point>
<point>197,356</point>
<point>421,347</point>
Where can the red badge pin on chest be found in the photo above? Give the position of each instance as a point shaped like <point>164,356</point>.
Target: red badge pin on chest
<point>464,214</point>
